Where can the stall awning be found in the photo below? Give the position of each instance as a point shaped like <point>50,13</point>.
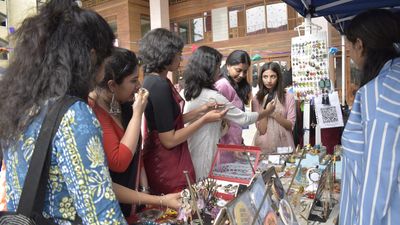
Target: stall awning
<point>338,12</point>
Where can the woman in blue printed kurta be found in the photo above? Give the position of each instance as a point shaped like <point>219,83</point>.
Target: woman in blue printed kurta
<point>371,139</point>
<point>59,51</point>
<point>79,177</point>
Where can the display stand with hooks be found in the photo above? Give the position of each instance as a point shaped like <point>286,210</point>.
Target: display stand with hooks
<point>310,69</point>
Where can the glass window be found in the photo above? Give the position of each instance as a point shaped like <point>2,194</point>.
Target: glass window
<point>233,18</point>
<point>255,18</point>
<point>112,21</point>
<point>197,29</point>
<point>277,17</point>
<point>182,29</point>
<point>114,27</point>
<point>144,24</point>
<point>236,21</point>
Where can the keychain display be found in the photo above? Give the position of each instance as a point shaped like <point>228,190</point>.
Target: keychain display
<point>310,66</point>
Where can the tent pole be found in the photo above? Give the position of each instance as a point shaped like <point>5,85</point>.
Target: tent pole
<point>307,25</point>
<point>343,70</point>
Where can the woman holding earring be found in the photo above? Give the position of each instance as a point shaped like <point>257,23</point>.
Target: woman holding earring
<point>275,130</point>
<point>166,153</point>
<point>121,125</point>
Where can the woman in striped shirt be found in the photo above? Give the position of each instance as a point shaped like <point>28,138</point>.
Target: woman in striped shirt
<point>371,146</point>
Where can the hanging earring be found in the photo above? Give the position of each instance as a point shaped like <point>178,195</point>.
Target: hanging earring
<point>115,108</point>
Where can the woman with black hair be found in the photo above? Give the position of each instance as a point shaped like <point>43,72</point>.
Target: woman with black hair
<point>200,74</point>
<point>275,130</point>
<point>166,155</point>
<point>121,125</point>
<point>370,191</point>
<point>234,86</point>
<point>60,51</point>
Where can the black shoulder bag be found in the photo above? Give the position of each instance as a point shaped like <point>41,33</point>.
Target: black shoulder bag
<point>31,203</point>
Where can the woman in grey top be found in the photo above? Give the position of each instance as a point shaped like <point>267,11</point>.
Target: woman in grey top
<point>200,75</point>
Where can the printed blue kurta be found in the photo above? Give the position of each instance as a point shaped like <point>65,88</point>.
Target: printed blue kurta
<point>371,152</point>
<point>79,178</point>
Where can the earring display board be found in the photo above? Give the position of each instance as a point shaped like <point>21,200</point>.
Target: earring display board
<point>310,66</point>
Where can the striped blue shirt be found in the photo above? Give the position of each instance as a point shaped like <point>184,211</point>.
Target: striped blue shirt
<point>371,152</point>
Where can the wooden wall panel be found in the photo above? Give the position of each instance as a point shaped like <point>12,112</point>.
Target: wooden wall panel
<point>137,8</point>
<point>118,9</point>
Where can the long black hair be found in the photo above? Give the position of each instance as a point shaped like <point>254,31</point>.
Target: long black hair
<point>57,52</point>
<point>378,29</point>
<point>279,87</point>
<point>200,71</point>
<point>158,48</point>
<point>242,88</point>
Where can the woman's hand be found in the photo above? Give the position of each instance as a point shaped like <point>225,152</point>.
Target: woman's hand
<point>274,115</point>
<point>171,200</point>
<point>214,115</point>
<point>211,105</point>
<point>140,100</point>
<point>270,107</point>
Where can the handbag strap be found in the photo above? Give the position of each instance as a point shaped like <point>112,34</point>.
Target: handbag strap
<point>33,192</point>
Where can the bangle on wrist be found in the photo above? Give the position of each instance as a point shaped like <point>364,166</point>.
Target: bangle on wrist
<point>161,200</point>
<point>137,201</point>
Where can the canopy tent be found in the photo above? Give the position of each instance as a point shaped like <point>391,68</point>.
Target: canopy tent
<point>338,12</point>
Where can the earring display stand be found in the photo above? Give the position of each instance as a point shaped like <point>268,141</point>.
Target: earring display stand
<point>310,65</point>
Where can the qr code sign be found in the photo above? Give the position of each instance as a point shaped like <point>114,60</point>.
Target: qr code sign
<point>329,114</point>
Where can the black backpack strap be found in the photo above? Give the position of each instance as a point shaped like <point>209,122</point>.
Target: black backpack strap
<point>33,193</point>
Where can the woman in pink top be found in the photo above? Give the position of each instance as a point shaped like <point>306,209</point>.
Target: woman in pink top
<point>275,130</point>
<point>233,86</point>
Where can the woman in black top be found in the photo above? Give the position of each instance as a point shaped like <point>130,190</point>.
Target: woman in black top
<point>166,154</point>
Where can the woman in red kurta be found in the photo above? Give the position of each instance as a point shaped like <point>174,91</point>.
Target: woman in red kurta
<point>120,120</point>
